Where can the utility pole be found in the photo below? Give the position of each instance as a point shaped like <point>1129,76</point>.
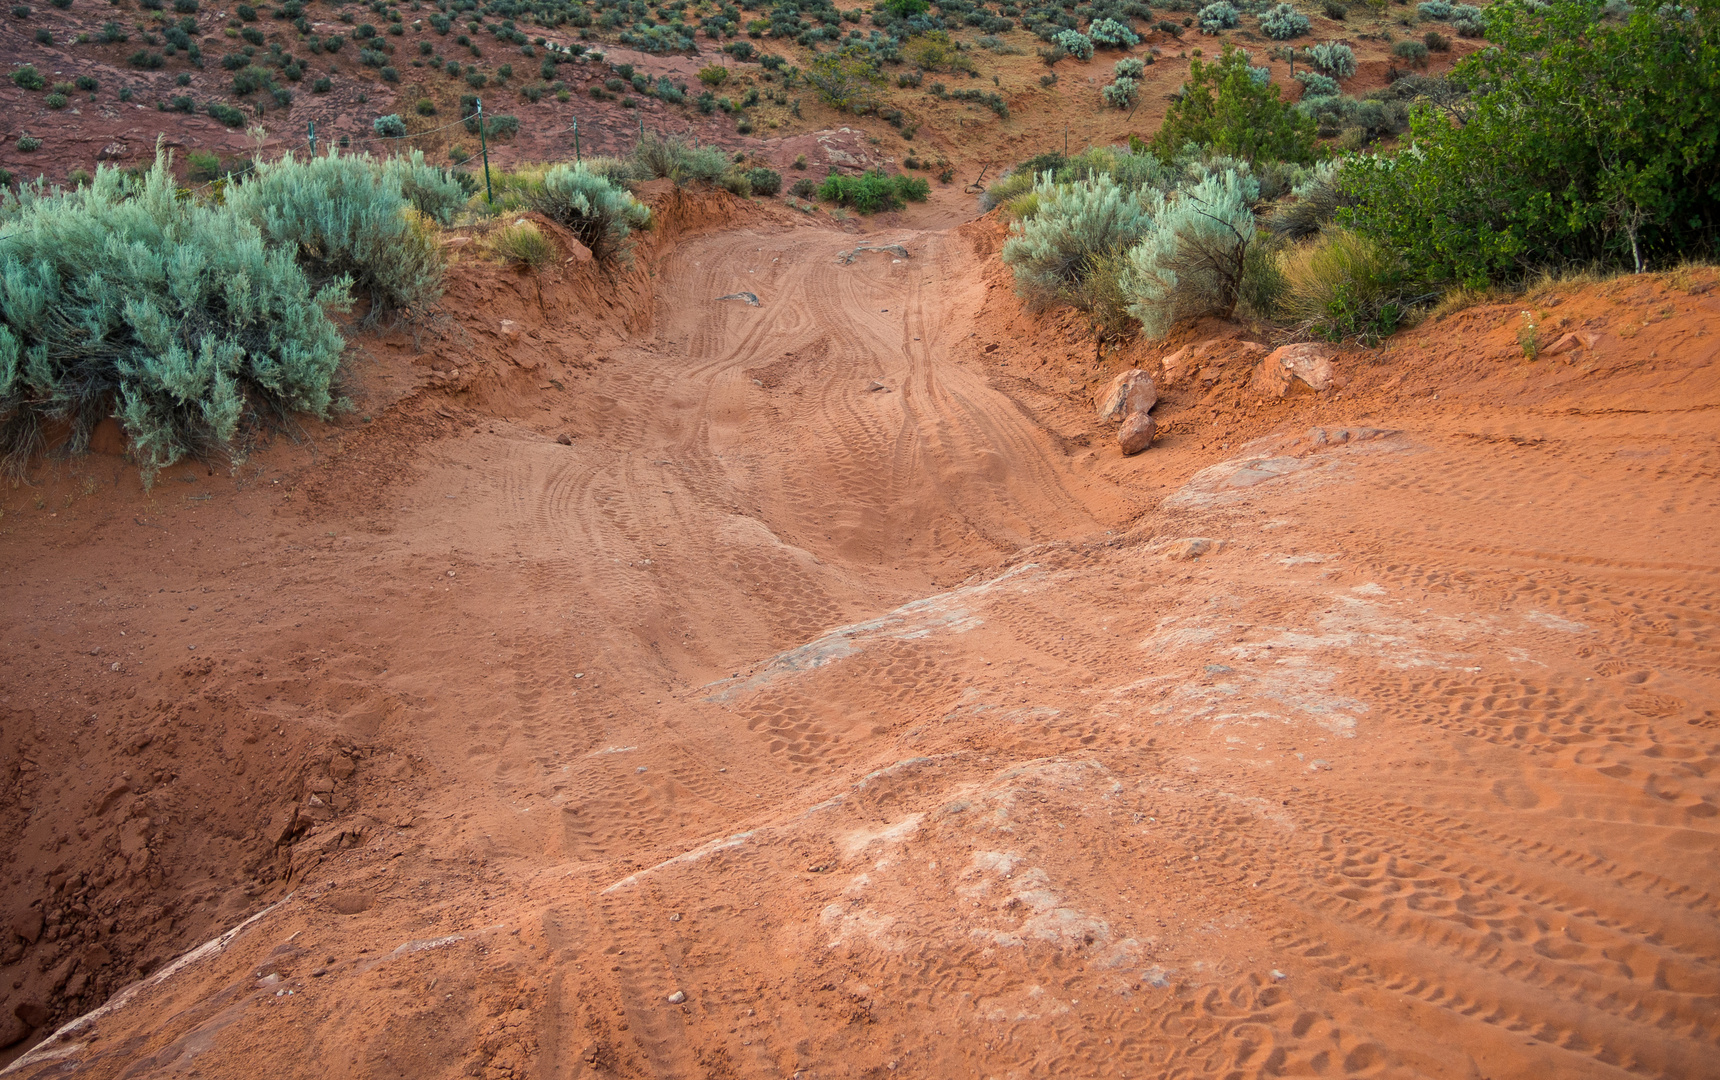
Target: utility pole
<point>484,145</point>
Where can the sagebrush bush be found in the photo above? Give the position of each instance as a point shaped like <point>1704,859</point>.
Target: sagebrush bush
<point>1216,17</point>
<point>1121,93</point>
<point>1071,224</point>
<point>1130,67</point>
<point>1112,34</point>
<point>1342,285</point>
<point>1315,200</point>
<point>1436,10</point>
<point>602,214</point>
<point>675,158</point>
<point>1076,44</point>
<point>1467,20</point>
<point>1190,262</point>
<point>1413,51</point>
<point>347,217</point>
<point>1334,58</point>
<point>433,192</point>
<point>176,316</point>
<point>873,191</point>
<point>1283,22</point>
<point>1315,84</point>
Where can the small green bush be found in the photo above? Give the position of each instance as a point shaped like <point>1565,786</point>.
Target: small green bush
<point>764,181</point>
<point>28,143</point>
<point>143,58</point>
<point>676,159</point>
<point>391,126</point>
<point>1341,285</point>
<point>1130,67</point>
<point>1225,107</point>
<point>1335,11</point>
<point>1436,10</point>
<point>1216,17</point>
<point>1315,84</point>
<point>1436,41</point>
<point>602,214</point>
<point>55,101</point>
<point>1283,22</point>
<point>1415,52</point>
<point>1334,58</point>
<point>735,181</point>
<point>172,314</point>
<point>522,243</point>
<point>805,187</point>
<point>225,114</point>
<point>28,78</point>
<point>873,191</point>
<point>1110,33</point>
<point>1076,44</point>
<point>87,83</point>
<point>1120,94</point>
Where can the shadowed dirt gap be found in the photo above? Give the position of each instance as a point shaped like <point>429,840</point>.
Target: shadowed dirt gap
<point>1384,754</point>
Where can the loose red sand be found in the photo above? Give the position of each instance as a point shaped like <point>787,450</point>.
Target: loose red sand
<point>632,689</point>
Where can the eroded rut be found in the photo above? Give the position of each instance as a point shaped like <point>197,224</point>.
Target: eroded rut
<point>719,742</point>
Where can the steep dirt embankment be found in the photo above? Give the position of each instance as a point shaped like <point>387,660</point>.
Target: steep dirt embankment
<point>629,718</point>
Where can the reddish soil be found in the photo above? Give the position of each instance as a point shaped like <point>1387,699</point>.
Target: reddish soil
<point>642,683</point>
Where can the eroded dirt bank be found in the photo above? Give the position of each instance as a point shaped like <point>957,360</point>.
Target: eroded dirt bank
<point>668,686</point>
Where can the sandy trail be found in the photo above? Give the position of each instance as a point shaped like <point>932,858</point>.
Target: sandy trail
<point>1387,751</point>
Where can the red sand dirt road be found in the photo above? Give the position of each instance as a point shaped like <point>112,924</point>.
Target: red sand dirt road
<point>659,685</point>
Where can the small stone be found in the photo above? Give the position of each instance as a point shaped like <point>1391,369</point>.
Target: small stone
<point>1191,548</point>
<point>677,997</point>
<point>32,1012</point>
<point>564,439</point>
<point>510,329</point>
<point>1130,392</point>
<point>675,917</point>
<point>1137,433</point>
<point>12,1030</point>
<point>1306,363</point>
<point>340,767</point>
<point>28,926</point>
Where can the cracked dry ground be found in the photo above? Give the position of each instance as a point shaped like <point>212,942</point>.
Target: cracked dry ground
<point>782,727</point>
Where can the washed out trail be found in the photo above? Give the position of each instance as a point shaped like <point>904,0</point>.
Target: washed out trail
<point>814,710</point>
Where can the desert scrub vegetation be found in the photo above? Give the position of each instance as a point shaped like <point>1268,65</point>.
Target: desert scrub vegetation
<point>344,217</point>
<point>873,191</point>
<point>522,244</point>
<point>600,212</point>
<point>1224,106</point>
<point>195,318</point>
<point>179,317</point>
<point>1592,137</point>
<point>1133,239</point>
